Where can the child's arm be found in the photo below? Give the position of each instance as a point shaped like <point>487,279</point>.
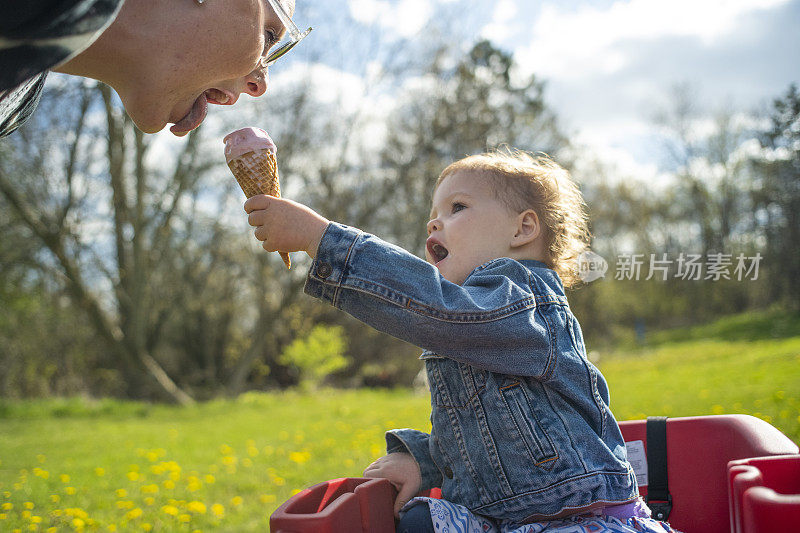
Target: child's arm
<point>490,321</point>
<point>402,471</point>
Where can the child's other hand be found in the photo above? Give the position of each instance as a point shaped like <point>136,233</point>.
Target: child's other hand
<point>402,471</point>
<point>284,225</point>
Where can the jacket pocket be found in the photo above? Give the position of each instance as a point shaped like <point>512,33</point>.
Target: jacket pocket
<point>535,440</point>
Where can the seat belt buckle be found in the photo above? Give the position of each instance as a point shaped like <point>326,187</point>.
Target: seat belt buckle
<point>660,508</point>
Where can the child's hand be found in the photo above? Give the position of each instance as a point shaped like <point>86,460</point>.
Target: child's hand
<point>402,471</point>
<point>284,225</point>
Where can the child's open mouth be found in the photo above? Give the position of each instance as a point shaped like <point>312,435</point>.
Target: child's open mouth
<point>436,251</point>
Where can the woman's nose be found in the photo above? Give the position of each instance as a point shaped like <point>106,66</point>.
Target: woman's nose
<point>255,83</point>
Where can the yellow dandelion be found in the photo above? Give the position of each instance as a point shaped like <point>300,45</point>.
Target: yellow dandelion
<point>268,450</point>
<point>6,494</point>
<point>77,523</point>
<point>38,472</point>
<point>218,509</point>
<point>299,457</point>
<point>196,507</point>
<point>209,479</point>
<point>152,456</point>
<point>225,449</point>
<point>236,501</point>
<point>36,519</point>
<point>267,498</point>
<point>252,451</point>
<point>170,510</point>
<point>7,506</point>
<point>33,527</point>
<point>147,526</point>
<point>17,486</point>
<point>169,484</point>
<point>133,476</point>
<point>64,478</point>
<point>279,481</point>
<point>111,527</point>
<point>100,472</point>
<point>56,512</point>
<point>3,516</point>
<point>55,498</point>
<point>28,505</point>
<point>133,514</point>
<point>149,501</point>
<point>185,518</point>
<point>229,460</point>
<point>51,529</point>
<point>194,484</point>
<point>125,504</point>
<point>26,514</point>
<point>80,513</point>
<point>150,489</point>
<point>121,493</point>
<point>246,462</point>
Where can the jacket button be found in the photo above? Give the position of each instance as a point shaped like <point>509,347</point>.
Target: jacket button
<point>448,472</point>
<point>324,270</point>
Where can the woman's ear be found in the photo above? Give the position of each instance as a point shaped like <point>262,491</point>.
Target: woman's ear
<point>528,228</point>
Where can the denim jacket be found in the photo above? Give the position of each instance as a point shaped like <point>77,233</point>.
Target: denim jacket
<point>522,428</point>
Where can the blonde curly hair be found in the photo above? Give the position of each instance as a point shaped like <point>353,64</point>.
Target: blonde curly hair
<point>525,181</point>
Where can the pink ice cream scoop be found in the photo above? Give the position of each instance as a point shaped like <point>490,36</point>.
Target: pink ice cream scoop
<point>240,142</point>
<point>250,155</point>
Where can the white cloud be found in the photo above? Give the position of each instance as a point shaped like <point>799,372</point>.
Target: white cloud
<point>570,44</point>
<point>402,17</point>
<point>502,23</point>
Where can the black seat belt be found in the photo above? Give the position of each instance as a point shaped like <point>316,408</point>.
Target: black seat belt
<point>658,497</point>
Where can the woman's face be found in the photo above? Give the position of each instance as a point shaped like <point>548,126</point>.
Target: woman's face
<point>210,55</point>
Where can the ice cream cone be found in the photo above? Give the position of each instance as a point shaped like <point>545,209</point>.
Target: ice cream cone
<point>257,173</point>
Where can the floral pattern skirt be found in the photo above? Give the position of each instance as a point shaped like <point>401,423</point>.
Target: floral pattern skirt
<point>448,517</point>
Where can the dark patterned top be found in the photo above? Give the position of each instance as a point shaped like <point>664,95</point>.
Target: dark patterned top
<point>36,35</point>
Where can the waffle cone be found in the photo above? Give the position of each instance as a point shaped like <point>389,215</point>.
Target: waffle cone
<point>257,173</point>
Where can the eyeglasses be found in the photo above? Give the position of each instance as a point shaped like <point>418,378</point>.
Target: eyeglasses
<point>293,31</point>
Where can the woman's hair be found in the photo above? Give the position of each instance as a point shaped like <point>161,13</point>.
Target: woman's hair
<point>525,181</point>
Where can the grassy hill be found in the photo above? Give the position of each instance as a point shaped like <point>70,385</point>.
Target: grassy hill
<point>105,465</point>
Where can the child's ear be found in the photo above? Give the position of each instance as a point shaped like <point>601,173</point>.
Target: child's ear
<point>528,228</point>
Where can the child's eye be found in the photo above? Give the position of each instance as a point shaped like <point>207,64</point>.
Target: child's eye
<point>457,206</point>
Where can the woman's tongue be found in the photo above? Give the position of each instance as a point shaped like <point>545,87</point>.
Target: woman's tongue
<point>193,118</point>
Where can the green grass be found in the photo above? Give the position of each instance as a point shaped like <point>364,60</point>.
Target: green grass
<point>226,465</point>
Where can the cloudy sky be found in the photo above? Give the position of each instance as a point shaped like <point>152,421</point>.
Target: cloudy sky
<point>608,63</point>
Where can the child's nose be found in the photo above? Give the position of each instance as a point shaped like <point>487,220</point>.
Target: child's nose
<point>434,225</point>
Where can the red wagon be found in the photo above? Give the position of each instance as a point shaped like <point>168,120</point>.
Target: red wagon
<point>710,474</point>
